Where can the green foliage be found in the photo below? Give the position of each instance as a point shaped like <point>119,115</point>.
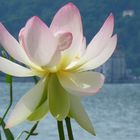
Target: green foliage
<point>7,132</point>
<point>14,14</point>
<point>8,78</point>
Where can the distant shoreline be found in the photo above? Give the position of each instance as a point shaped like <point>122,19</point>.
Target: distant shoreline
<point>18,79</point>
<point>30,79</point>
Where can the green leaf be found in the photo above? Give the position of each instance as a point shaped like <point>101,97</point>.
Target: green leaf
<point>78,112</point>
<point>7,132</point>
<point>0,136</point>
<point>32,130</point>
<point>8,78</point>
<point>58,98</point>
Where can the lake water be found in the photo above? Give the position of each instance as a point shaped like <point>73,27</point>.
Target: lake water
<point>115,113</point>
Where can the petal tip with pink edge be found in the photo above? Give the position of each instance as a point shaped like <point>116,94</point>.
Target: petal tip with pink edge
<point>35,19</point>
<point>110,18</point>
<point>71,6</point>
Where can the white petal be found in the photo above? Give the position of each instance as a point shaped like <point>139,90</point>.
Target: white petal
<point>68,19</point>
<point>102,57</point>
<point>38,41</point>
<point>76,62</point>
<point>99,42</point>
<point>78,112</point>
<point>82,83</point>
<point>10,44</point>
<point>14,69</point>
<point>26,105</point>
<point>55,60</point>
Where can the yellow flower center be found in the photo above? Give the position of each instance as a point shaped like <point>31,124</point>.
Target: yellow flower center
<point>65,65</point>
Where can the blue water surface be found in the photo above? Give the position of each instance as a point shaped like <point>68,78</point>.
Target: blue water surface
<point>114,112</point>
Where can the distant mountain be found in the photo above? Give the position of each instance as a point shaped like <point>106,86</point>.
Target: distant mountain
<point>14,14</point>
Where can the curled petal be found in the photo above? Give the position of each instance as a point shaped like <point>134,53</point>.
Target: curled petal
<point>10,44</point>
<point>102,57</point>
<point>38,41</point>
<point>83,83</point>
<point>64,40</point>
<point>100,40</point>
<point>14,69</point>
<point>26,105</point>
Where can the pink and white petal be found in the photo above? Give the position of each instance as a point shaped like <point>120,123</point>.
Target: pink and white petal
<point>68,19</point>
<point>14,69</point>
<point>26,105</point>
<point>64,42</point>
<point>10,44</point>
<point>100,40</point>
<point>102,57</point>
<point>82,83</point>
<point>38,41</point>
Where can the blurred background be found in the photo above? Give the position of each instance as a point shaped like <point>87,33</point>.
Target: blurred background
<point>116,112</point>
<point>124,65</point>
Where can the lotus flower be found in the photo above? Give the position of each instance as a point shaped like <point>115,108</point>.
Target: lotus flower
<point>59,56</point>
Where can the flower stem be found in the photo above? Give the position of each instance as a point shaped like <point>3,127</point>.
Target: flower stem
<point>69,128</point>
<point>0,136</point>
<point>11,101</point>
<point>21,133</point>
<point>60,130</point>
<point>32,130</point>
